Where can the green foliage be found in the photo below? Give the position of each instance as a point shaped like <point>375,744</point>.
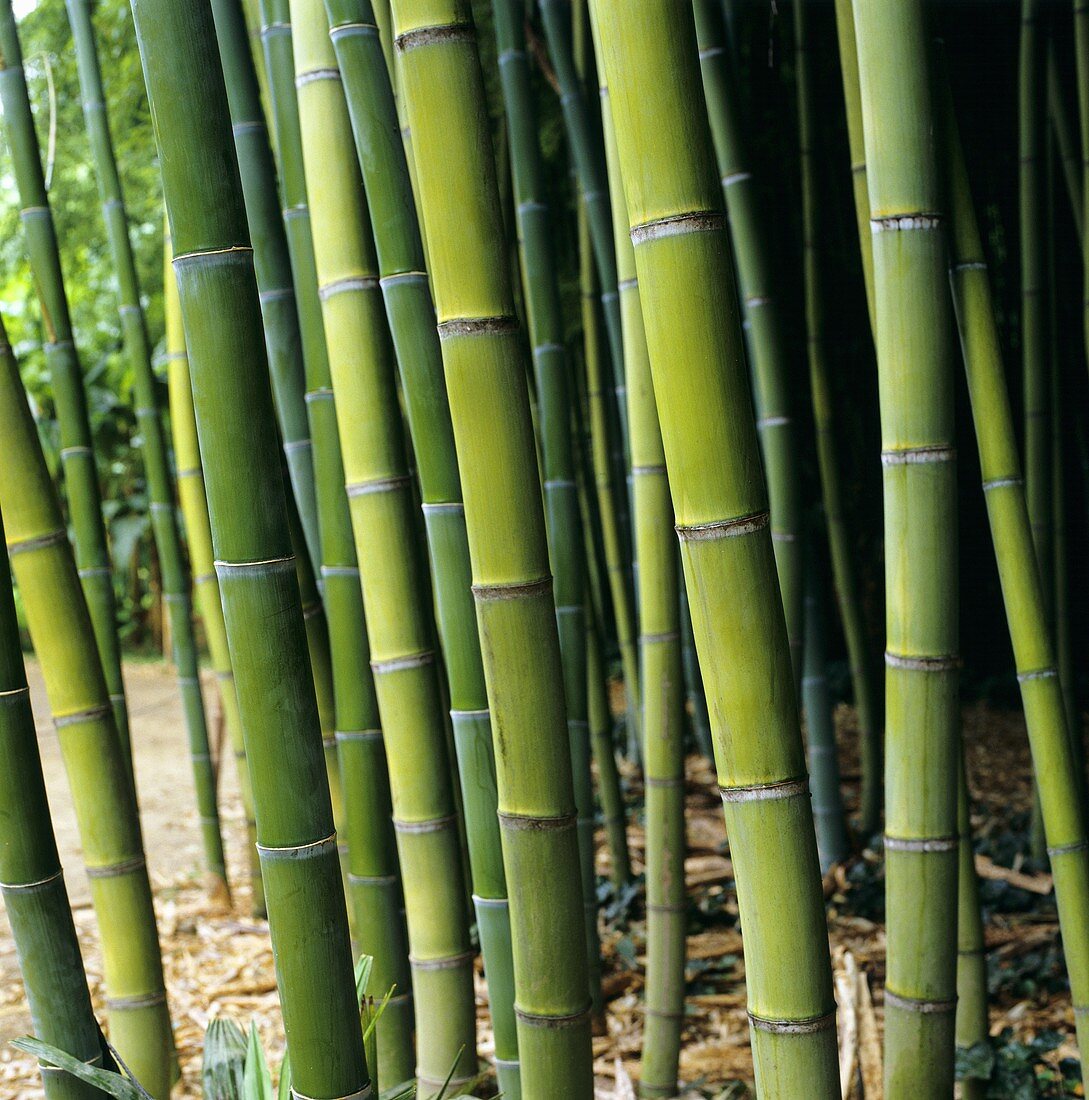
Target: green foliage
<point>1017,1070</point>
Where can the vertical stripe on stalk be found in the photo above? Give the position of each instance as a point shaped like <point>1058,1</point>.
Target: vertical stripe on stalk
<point>713,459</point>
<point>392,569</point>
<point>916,393</point>
<point>442,86</point>
<point>1053,757</point>
<point>160,486</point>
<point>771,366</point>
<point>62,360</point>
<point>247,505</point>
<point>109,829</point>
<point>410,312</point>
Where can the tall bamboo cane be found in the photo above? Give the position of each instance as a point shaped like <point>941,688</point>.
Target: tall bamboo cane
<point>410,311</point>
<point>1041,692</point>
<point>153,441</point>
<point>246,501</point>
<point>1064,137</point>
<point>63,636</point>
<point>441,83</point>
<point>971,1019</point>
<point>198,530</point>
<point>771,368</point>
<point>916,390</point>
<point>62,359</point>
<point>31,879</point>
<point>392,571</point>
<point>661,672</point>
<point>844,571</point>
<point>1081,53</point>
<point>712,454</point>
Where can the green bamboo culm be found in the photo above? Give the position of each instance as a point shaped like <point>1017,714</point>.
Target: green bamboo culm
<point>63,637</point>
<point>771,367</point>
<point>246,502</point>
<point>372,110</point>
<point>712,454</point>
<point>160,486</point>
<point>843,553</point>
<point>919,461</point>
<point>553,373</point>
<point>696,697</point>
<point>971,1019</point>
<point>1067,145</point>
<point>1081,54</point>
<point>392,565</point>
<point>286,355</point>
<point>194,509</point>
<point>1054,760</point>
<point>31,879</point>
<point>442,86</point>
<point>661,674</point>
<point>65,374</point>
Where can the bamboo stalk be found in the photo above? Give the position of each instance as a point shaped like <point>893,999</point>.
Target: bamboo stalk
<point>246,502</point>
<point>194,508</point>
<point>771,368</point>
<point>62,360</point>
<point>971,1019</point>
<point>164,522</point>
<point>31,879</point>
<point>1041,692</point>
<point>843,555</point>
<point>391,567</point>
<point>696,697</point>
<point>1064,137</point>
<point>63,636</point>
<point>916,389</point>
<point>441,84</point>
<point>712,455</point>
<point>410,312</point>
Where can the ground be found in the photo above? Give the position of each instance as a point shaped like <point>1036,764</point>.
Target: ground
<point>218,959</point>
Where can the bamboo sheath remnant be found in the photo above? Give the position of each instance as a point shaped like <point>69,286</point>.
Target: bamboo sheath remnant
<point>164,522</point>
<point>763,315</point>
<point>712,455</point>
<point>442,86</point>
<point>392,568</point>
<point>661,671</point>
<point>31,879</point>
<point>1054,760</point>
<point>916,393</point>
<point>246,501</point>
<point>410,312</point>
<point>198,530</point>
<point>62,360</point>
<point>63,637</point>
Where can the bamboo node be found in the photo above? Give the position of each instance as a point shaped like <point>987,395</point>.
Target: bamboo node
<point>697,221</point>
<point>37,542</point>
<point>774,422</point>
<point>899,223</point>
<point>116,870</point>
<point>12,694</point>
<point>402,664</point>
<point>347,285</point>
<point>1037,674</point>
<point>277,294</point>
<point>365,1093</point>
<point>767,792</point>
<point>141,1000</point>
<point>921,844</point>
<point>313,849</point>
<point>935,663</point>
<point>673,783</point>
<point>372,880</point>
<point>536,1019</point>
<point>316,74</point>
<point>664,636</point>
<point>512,591</point>
<point>340,570</point>
<point>285,563</point>
<point>914,456</point>
<point>628,284</point>
<point>735,177</point>
<point>73,452</point>
<point>455,507</point>
<point>491,903</point>
<point>755,301</point>
<point>342,30</point>
<point>531,205</point>
<point>1068,849</point>
<point>723,529</point>
<point>447,962</point>
<point>481,713</point>
<point>378,485</point>
<point>250,127</point>
<point>358,735</point>
<point>560,483</point>
<point>809,1026</point>
<point>434,36</point>
<point>403,277</point>
<point>89,714</point>
<point>970,265</point>
<point>548,349</point>
<point>435,825</point>
<point>477,326</point>
<point>1002,483</point>
<point>528,822</point>
<point>648,471</point>
<point>93,571</point>
<point>916,1004</point>
<point>662,1013</point>
<point>32,887</point>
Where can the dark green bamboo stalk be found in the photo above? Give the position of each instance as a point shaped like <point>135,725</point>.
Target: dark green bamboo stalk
<point>392,568</point>
<point>1064,137</point>
<point>771,367</point>
<point>696,697</point>
<point>31,879</point>
<point>246,502</point>
<point>194,508</point>
<point>661,672</point>
<point>1081,53</point>
<point>109,829</point>
<point>62,359</point>
<point>383,164</point>
<point>1041,692</point>
<point>971,1020</point>
<point>442,88</point>
<point>843,554</point>
<point>164,522</point>
<point>919,460</point>
<point>712,454</point>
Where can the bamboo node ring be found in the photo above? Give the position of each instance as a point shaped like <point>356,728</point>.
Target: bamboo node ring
<point>921,844</point>
<point>89,714</point>
<point>514,590</point>
<point>481,713</point>
<point>529,822</point>
<point>116,870</point>
<point>697,221</point>
<point>435,825</point>
<point>357,735</point>
<point>535,1019</point>
<point>403,664</point>
<point>664,636</point>
<point>93,571</point>
<point>340,570</point>
<point>313,849</point>
<point>1068,849</point>
<point>365,1093</point>
<point>32,887</point>
<point>723,529</point>
<point>372,880</point>
<point>936,663</point>
<point>735,177</point>
<point>548,349</point>
<point>1002,483</point>
<point>316,74</point>
<point>73,452</point>
<point>1037,674</point>
<point>342,30</point>
<point>794,1027</point>
<point>454,507</point>
<point>378,485</point>
<point>477,326</point>
<point>648,471</point>
<point>277,294</point>
<point>774,421</point>
<point>674,783</point>
<point>37,542</point>
<point>433,36</point>
<point>766,792</point>
<point>285,563</point>
<point>347,285</point>
<point>448,962</point>
<point>140,1000</point>
<point>916,1004</point>
<point>491,903</point>
<point>898,223</point>
<point>914,456</point>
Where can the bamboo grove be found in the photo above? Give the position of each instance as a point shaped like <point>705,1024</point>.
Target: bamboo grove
<point>543,403</point>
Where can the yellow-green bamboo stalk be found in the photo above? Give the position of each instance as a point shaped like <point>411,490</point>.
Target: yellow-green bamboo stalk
<point>109,830</point>
<point>442,88</point>
<point>392,571</point>
<point>971,1020</point>
<point>713,458</point>
<point>919,460</point>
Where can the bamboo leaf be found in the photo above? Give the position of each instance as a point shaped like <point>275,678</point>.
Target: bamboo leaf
<point>283,1089</point>
<point>257,1081</point>
<point>113,1084</point>
<point>224,1069</point>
